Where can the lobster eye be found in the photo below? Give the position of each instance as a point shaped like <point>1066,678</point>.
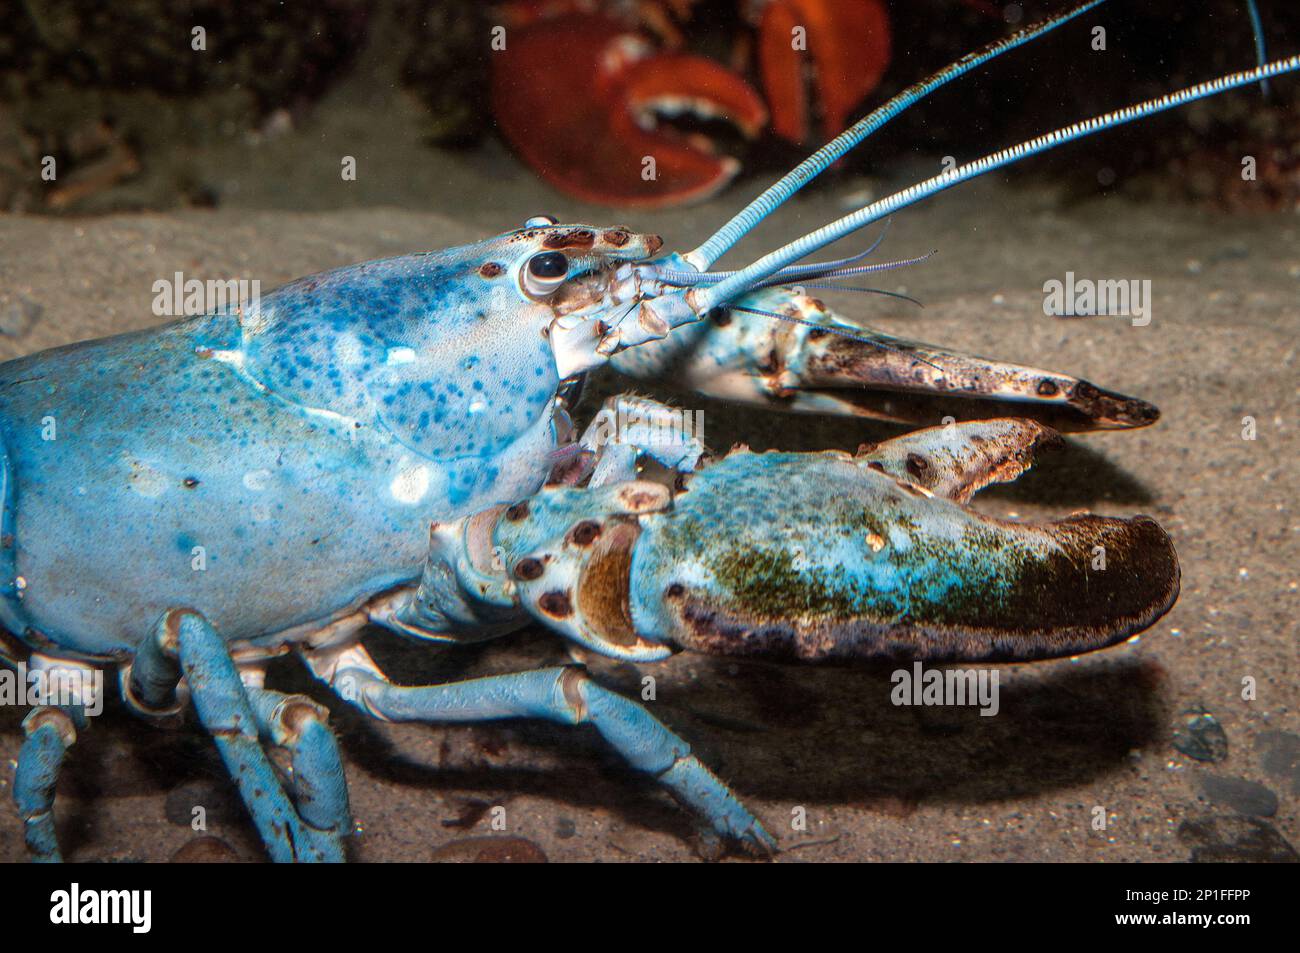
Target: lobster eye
<point>537,221</point>
<point>544,273</point>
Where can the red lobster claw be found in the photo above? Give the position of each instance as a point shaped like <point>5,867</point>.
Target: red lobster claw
<point>579,97</point>
<point>848,41</point>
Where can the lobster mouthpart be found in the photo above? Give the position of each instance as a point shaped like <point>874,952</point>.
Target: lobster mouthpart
<point>583,101</point>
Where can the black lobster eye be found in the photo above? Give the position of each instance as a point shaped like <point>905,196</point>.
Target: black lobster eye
<point>545,273</point>
<point>549,264</point>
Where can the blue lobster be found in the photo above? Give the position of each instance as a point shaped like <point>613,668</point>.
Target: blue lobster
<point>389,443</point>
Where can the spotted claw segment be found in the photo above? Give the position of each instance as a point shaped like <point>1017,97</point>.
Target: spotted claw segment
<point>568,551</point>
<point>828,556</point>
<point>803,366</point>
<point>955,461</point>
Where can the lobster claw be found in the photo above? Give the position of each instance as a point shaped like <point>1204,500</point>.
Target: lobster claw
<point>848,43</point>
<point>828,556</point>
<point>807,367</point>
<point>581,99</point>
<point>861,376</point>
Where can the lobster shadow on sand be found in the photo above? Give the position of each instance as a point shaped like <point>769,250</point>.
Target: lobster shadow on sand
<point>780,735</point>
<point>785,736</point>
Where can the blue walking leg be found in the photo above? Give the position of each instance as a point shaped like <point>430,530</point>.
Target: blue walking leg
<point>568,696</point>
<point>222,704</point>
<point>50,732</point>
<point>319,786</point>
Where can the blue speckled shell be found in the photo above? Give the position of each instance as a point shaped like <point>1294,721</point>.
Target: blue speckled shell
<point>304,446</point>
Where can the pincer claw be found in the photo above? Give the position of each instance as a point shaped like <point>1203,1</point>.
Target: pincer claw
<point>832,557</point>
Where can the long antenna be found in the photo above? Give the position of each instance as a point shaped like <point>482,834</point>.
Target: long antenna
<point>702,300</point>
<point>703,257</point>
<point>1261,51</point>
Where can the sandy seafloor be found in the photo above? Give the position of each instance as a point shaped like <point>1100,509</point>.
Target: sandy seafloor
<point>878,782</point>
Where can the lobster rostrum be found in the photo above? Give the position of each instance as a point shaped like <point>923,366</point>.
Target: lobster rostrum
<point>389,444</point>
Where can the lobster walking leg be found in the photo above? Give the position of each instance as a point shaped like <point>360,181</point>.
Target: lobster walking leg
<point>223,707</point>
<point>319,786</point>
<point>568,696</point>
<point>50,732</point>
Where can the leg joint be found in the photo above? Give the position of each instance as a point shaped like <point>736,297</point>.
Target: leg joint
<point>572,684</point>
<point>56,718</point>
